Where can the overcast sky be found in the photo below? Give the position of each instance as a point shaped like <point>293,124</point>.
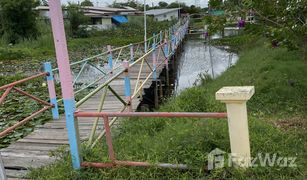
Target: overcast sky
<point>202,3</point>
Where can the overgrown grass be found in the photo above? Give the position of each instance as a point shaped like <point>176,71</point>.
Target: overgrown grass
<point>279,78</point>
<point>43,47</point>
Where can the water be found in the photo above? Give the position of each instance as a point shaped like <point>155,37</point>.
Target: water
<point>195,61</point>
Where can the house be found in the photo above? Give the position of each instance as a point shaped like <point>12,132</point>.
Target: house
<point>100,17</point>
<point>164,14</point>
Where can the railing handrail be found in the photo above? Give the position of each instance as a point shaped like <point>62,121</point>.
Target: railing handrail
<point>106,52</point>
<point>153,114</point>
<point>23,80</point>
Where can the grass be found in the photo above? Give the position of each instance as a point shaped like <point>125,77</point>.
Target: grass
<point>277,124</point>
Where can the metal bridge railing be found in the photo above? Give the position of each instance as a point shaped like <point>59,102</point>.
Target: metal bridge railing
<point>112,156</point>
<point>47,105</point>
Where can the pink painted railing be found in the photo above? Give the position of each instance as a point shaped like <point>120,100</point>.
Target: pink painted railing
<point>112,157</point>
<point>8,88</point>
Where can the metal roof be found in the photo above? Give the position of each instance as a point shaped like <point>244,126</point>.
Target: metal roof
<point>161,11</point>
<point>92,8</point>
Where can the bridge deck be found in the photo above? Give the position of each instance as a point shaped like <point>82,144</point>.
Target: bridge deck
<point>34,150</point>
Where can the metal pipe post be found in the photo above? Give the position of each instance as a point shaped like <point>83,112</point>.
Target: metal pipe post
<point>60,43</point>
<point>145,28</point>
<point>131,52</point>
<point>154,62</point>
<point>110,58</point>
<point>51,90</point>
<point>166,65</point>
<point>127,85</point>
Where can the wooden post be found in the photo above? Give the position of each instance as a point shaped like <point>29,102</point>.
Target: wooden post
<point>161,37</point>
<point>156,94</point>
<point>235,99</point>
<point>60,43</point>
<point>51,90</point>
<point>160,89</point>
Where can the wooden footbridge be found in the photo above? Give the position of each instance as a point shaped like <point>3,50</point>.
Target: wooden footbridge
<point>113,81</point>
<point>98,90</point>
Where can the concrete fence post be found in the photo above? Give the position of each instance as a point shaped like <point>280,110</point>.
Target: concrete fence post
<point>235,99</point>
<point>51,90</point>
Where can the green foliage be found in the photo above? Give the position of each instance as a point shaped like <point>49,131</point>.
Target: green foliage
<point>182,140</point>
<point>77,18</point>
<point>163,4</point>
<point>216,24</point>
<point>130,3</point>
<point>215,4</point>
<point>282,20</point>
<point>18,20</point>
<point>87,3</point>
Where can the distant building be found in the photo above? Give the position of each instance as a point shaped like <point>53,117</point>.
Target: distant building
<point>164,14</point>
<point>100,17</point>
<point>215,12</point>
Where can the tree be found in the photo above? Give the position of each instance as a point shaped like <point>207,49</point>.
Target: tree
<point>87,3</point>
<point>284,21</point>
<point>131,3</point>
<point>18,20</point>
<point>215,4</point>
<point>163,4</point>
<point>76,18</point>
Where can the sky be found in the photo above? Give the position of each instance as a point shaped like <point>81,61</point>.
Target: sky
<point>202,3</point>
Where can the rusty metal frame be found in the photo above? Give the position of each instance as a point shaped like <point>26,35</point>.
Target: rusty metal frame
<point>111,153</point>
<point>8,89</point>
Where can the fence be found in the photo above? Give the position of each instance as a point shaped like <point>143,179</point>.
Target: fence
<point>47,105</point>
<point>108,63</point>
<point>235,99</point>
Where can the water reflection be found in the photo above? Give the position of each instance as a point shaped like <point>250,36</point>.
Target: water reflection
<point>195,60</point>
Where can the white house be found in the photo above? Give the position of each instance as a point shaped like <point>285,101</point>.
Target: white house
<point>164,14</point>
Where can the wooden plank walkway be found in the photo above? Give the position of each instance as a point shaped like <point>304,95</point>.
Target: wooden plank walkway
<point>34,150</point>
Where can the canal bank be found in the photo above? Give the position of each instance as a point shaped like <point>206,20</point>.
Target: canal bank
<point>276,122</point>
<point>194,61</point>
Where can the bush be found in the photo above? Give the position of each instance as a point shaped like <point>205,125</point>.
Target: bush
<point>18,20</point>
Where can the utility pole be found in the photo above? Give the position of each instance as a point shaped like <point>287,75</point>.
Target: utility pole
<point>145,28</point>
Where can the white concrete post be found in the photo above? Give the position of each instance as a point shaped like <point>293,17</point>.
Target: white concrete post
<point>235,99</point>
